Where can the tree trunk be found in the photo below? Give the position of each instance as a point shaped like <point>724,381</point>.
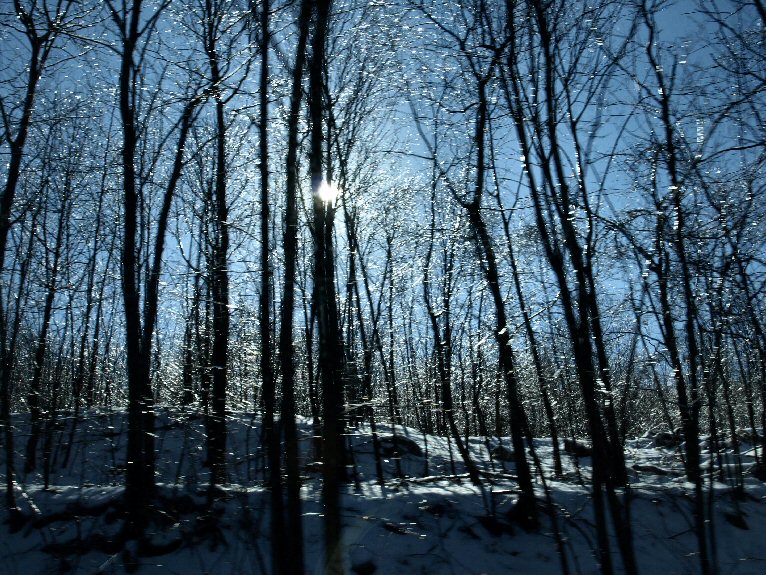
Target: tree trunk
<point>219,273</point>
<point>34,397</point>
<point>293,558</point>
<point>331,351</point>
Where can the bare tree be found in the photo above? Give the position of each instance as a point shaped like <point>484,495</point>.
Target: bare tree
<point>38,28</point>
<point>134,28</point>
<point>228,63</point>
<point>290,562</point>
<point>548,117</point>
<point>477,71</point>
<point>57,202</point>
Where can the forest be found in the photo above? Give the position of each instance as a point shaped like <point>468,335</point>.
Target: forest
<point>290,250</point>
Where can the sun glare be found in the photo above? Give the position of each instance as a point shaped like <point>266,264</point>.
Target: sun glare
<point>327,192</point>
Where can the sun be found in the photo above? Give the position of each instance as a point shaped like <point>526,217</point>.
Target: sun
<point>327,192</point>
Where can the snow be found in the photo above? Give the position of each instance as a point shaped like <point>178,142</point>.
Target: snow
<point>431,520</point>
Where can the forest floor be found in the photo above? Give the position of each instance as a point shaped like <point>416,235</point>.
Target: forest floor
<point>430,520</point>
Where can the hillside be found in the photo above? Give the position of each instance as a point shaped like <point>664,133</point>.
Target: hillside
<point>427,521</point>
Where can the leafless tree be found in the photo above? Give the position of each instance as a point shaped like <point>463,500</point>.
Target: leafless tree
<point>37,30</point>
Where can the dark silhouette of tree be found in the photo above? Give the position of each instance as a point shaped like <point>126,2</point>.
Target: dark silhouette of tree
<point>133,28</point>
<point>57,205</point>
<point>477,72</point>
<point>290,547</point>
<point>546,117</point>
<point>38,28</point>
<point>219,34</point>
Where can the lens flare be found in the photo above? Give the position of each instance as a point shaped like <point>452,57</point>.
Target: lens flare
<point>327,192</point>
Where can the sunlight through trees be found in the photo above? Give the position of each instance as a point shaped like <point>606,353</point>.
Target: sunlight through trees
<point>487,222</point>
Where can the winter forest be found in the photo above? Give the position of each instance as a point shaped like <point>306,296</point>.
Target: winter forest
<point>383,286</point>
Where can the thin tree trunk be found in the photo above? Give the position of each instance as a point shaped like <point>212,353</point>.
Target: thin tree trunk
<point>220,273</point>
<point>41,42</point>
<point>441,330</point>
<point>271,436</point>
<point>330,343</point>
<point>140,322</point>
<point>34,397</point>
<point>293,558</point>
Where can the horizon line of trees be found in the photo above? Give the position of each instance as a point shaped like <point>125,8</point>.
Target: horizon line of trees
<point>549,222</point>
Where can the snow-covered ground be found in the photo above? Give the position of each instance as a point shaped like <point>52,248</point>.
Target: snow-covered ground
<point>431,520</point>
